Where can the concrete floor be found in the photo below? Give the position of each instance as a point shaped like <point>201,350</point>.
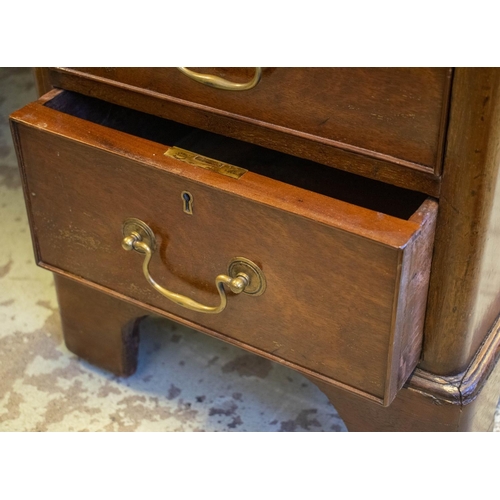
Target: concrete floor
<point>186,381</point>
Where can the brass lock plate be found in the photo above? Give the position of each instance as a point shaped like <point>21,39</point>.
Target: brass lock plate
<point>207,163</point>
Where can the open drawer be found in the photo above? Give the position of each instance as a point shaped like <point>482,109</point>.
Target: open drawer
<point>345,260</point>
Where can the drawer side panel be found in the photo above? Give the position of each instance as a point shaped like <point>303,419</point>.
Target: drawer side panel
<point>411,299</point>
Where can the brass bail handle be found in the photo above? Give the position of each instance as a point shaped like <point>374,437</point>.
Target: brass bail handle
<point>221,83</point>
<point>244,275</point>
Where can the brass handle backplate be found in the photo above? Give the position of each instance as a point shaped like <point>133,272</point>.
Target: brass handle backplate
<point>221,83</point>
<point>243,275</point>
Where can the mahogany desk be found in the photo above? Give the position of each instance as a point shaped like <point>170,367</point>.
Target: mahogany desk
<point>343,222</point>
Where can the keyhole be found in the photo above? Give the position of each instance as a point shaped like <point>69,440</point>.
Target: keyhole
<point>187,199</point>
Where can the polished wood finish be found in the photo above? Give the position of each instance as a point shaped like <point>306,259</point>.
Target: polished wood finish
<point>457,383</point>
<point>414,411</point>
<point>386,124</point>
<point>413,287</point>
<point>464,297</point>
<point>429,402</point>
<point>42,80</point>
<point>99,328</point>
<point>348,306</point>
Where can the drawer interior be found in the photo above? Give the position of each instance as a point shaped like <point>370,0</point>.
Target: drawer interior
<point>315,177</point>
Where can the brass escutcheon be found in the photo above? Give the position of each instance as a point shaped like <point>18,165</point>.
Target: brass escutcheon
<point>136,228</point>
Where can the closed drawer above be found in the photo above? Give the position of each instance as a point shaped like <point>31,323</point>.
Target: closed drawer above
<point>346,259</point>
<point>388,124</point>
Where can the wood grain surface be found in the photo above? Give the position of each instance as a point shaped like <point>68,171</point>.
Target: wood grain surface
<point>42,80</point>
<point>464,297</point>
<point>429,402</point>
<point>341,282</point>
<point>416,411</point>
<point>99,328</point>
<point>386,124</point>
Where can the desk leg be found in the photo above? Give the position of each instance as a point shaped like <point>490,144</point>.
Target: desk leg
<point>418,411</point>
<point>99,328</point>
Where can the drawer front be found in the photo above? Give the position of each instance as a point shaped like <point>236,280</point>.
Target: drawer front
<point>343,117</point>
<point>346,286</point>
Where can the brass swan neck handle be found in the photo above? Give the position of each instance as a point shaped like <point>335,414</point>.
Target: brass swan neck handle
<point>244,275</point>
<point>221,83</point>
